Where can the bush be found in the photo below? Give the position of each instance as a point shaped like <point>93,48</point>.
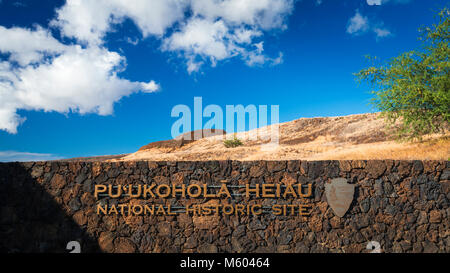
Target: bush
<point>413,90</point>
<point>232,143</point>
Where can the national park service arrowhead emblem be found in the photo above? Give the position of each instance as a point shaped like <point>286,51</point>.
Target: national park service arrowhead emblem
<point>339,195</point>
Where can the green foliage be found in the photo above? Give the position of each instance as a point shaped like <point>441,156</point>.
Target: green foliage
<point>413,90</point>
<point>232,143</point>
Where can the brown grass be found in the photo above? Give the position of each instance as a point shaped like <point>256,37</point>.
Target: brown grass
<point>330,138</point>
<point>437,149</point>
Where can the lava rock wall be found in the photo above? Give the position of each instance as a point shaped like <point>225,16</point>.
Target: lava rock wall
<point>403,205</point>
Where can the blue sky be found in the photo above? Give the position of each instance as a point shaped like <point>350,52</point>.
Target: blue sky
<point>87,78</point>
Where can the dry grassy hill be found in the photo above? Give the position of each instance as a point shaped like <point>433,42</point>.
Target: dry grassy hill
<point>360,136</point>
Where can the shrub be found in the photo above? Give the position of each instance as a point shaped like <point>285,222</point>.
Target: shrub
<point>232,143</point>
<point>413,90</point>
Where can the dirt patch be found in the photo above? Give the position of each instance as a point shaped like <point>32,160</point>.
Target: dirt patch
<point>180,141</point>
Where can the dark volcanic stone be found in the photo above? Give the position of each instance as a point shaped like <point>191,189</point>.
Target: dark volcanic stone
<point>315,169</point>
<point>375,168</point>
<point>301,248</point>
<point>124,245</point>
<point>239,231</point>
<point>391,209</point>
<point>404,205</point>
<point>284,237</point>
<point>445,175</point>
<point>207,248</point>
<point>275,166</point>
<point>87,186</point>
<point>80,178</point>
<point>255,224</point>
<point>379,187</point>
<point>429,247</point>
<point>417,167</point>
<point>191,242</point>
<point>74,204</point>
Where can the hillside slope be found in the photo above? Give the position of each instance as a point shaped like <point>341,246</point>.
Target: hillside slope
<point>361,136</point>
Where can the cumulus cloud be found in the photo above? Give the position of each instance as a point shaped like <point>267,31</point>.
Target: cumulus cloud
<point>89,21</point>
<point>220,30</point>
<point>267,14</point>
<point>215,29</point>
<point>44,74</point>
<point>202,39</point>
<point>40,72</point>
<point>25,46</point>
<point>360,24</point>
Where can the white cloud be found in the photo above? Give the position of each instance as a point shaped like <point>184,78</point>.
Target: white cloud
<point>19,4</point>
<point>380,2</point>
<point>192,65</point>
<point>245,36</point>
<point>42,73</point>
<point>215,31</point>
<point>265,14</point>
<point>132,41</point>
<point>255,58</point>
<point>359,24</point>
<point>381,33</point>
<point>89,21</point>
<point>374,2</point>
<point>28,46</point>
<point>220,30</point>
<point>201,37</point>
<point>12,156</point>
<point>81,80</point>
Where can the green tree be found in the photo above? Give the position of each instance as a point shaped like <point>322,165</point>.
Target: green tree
<point>412,91</point>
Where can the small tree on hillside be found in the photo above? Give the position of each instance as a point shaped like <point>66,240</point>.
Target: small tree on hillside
<point>413,90</point>
<point>232,143</point>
